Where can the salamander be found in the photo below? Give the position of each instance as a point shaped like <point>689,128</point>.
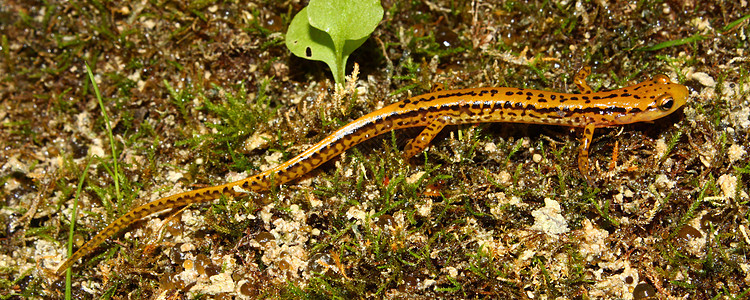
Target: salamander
<point>642,102</point>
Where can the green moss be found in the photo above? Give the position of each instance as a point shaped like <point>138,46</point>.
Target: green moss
<point>208,43</point>
<point>238,118</point>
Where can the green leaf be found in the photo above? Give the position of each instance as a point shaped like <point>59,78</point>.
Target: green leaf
<point>309,42</point>
<point>345,19</point>
<point>330,30</point>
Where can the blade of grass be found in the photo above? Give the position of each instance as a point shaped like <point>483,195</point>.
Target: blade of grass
<point>694,38</point>
<point>116,171</point>
<point>735,23</point>
<point>672,43</point>
<point>69,273</point>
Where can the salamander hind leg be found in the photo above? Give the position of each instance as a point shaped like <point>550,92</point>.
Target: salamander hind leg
<point>425,137</point>
<point>580,80</point>
<point>583,152</point>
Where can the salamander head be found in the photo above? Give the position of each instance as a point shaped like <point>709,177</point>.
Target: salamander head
<point>658,97</point>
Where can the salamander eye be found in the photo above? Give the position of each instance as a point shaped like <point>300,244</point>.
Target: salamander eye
<point>665,103</point>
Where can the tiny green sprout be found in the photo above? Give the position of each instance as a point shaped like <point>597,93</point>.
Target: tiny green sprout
<point>330,30</point>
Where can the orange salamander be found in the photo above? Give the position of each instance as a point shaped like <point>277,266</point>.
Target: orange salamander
<point>589,110</point>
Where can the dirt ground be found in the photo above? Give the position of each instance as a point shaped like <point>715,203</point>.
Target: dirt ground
<point>195,94</point>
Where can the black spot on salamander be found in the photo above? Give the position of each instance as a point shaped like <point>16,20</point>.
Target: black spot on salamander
<point>610,96</point>
<point>529,94</point>
<point>245,184</point>
<point>519,105</point>
<point>508,93</point>
<point>635,110</point>
<point>625,95</point>
<point>597,97</point>
<point>493,92</point>
<point>433,109</point>
<point>476,105</point>
<point>512,114</point>
<point>528,98</point>
<point>406,115</point>
<point>596,110</point>
<point>519,93</point>
<point>615,109</point>
<point>530,107</point>
<point>540,95</point>
<point>587,101</point>
<point>553,97</point>
<point>457,94</point>
<point>542,100</point>
<point>545,110</point>
<point>508,105</point>
<point>637,97</point>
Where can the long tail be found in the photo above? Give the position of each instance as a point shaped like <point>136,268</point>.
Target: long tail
<point>367,126</point>
<point>181,199</point>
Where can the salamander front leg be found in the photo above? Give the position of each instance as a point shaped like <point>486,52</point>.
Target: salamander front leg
<point>425,137</point>
<point>583,152</point>
<point>580,80</point>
